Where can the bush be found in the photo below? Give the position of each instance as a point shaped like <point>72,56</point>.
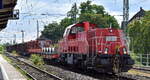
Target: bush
<point>135,57</point>
<point>37,60</point>
<point>14,53</point>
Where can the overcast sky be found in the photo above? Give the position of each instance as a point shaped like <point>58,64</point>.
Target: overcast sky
<point>31,10</point>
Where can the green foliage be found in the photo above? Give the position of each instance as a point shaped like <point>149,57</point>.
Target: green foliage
<point>139,31</point>
<point>87,12</point>
<point>52,31</point>
<point>94,18</point>
<point>136,58</point>
<point>86,7</point>
<point>100,20</point>
<point>1,49</point>
<point>37,60</point>
<point>73,13</point>
<point>96,14</point>
<point>66,22</point>
<point>14,52</point>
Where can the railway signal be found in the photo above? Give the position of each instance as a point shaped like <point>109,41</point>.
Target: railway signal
<point>15,14</point>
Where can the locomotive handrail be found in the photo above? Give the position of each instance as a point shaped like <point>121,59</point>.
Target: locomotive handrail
<point>102,37</point>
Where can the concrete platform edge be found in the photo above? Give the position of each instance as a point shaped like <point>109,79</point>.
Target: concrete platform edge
<point>5,76</point>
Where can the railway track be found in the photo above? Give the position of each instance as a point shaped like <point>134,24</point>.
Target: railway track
<point>66,73</point>
<point>144,69</point>
<point>94,74</point>
<point>32,71</point>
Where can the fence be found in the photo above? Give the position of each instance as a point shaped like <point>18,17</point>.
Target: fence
<point>142,60</point>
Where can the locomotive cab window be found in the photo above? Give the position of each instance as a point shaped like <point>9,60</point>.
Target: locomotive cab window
<point>76,29</point>
<point>67,32</point>
<point>111,38</point>
<point>80,29</point>
<point>73,30</point>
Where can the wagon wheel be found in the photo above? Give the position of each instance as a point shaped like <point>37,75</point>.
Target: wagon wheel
<point>116,65</point>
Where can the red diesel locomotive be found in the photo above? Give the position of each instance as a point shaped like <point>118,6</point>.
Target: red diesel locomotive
<point>103,49</point>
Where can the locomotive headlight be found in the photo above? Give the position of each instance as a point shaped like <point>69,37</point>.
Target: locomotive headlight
<point>106,51</point>
<point>124,51</point>
<point>50,49</point>
<point>47,50</point>
<point>43,49</point>
<point>53,49</point>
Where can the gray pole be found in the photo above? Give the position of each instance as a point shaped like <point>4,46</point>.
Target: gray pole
<point>22,36</point>
<point>125,14</point>
<point>37,29</point>
<point>75,13</point>
<point>14,42</point>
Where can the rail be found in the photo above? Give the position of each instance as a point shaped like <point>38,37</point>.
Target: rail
<point>33,72</point>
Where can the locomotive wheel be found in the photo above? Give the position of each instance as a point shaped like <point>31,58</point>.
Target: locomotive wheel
<point>116,65</point>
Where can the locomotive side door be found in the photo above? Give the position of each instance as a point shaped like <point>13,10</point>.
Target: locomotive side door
<point>73,43</point>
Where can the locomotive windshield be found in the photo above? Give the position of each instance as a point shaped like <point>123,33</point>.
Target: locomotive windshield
<point>111,38</point>
<point>77,29</point>
<point>73,30</point>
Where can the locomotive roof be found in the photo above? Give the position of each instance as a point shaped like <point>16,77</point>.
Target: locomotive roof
<point>68,28</point>
<point>79,24</point>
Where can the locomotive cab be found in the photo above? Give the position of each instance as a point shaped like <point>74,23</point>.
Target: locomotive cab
<point>72,30</point>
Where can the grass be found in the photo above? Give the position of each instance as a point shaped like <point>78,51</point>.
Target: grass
<point>37,60</point>
<point>7,59</point>
<point>1,49</point>
<point>14,53</point>
<point>138,72</point>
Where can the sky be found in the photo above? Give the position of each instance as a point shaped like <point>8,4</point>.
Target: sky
<point>31,11</point>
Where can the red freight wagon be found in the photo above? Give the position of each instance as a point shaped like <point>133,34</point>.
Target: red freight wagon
<point>41,47</point>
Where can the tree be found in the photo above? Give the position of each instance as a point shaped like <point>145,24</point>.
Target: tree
<point>135,34</point>
<point>87,7</point>
<point>73,13</point>
<point>94,18</point>
<point>52,31</point>
<point>98,9</point>
<point>88,12</point>
<point>96,14</point>
<point>139,31</point>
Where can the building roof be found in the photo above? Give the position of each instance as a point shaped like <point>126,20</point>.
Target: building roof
<point>6,12</point>
<point>139,14</point>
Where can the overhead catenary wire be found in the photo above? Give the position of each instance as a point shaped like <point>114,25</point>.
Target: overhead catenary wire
<point>138,3</point>
<point>28,8</point>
